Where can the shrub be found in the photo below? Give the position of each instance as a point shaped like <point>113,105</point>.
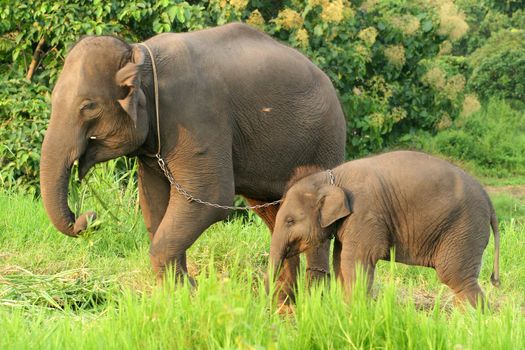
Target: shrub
<point>24,108</point>
<point>487,18</point>
<point>499,67</point>
<point>501,75</point>
<point>492,140</point>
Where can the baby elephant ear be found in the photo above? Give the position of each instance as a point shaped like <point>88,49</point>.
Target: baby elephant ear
<point>334,205</point>
<point>130,76</point>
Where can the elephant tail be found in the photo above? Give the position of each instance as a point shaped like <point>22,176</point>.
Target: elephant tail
<point>494,277</point>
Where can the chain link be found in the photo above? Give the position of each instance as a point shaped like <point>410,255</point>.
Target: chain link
<point>331,176</point>
<point>190,198</point>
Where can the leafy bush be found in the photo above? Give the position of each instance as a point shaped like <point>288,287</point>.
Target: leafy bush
<point>499,66</point>
<point>487,18</point>
<point>506,40</point>
<point>501,75</point>
<point>491,140</point>
<point>24,108</point>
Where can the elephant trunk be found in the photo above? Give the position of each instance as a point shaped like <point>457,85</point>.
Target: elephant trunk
<point>55,170</point>
<point>277,252</point>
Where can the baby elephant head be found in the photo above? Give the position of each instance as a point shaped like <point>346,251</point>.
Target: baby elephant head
<point>306,218</point>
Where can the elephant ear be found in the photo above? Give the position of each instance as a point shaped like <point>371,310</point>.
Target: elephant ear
<point>129,76</point>
<point>333,205</point>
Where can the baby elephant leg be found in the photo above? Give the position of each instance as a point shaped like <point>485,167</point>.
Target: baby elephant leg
<point>352,259</point>
<point>318,263</point>
<point>464,283</point>
<point>337,260</point>
<point>470,291</point>
<point>286,280</point>
<point>460,271</point>
<point>458,263</point>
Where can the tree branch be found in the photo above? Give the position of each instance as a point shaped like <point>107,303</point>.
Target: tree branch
<point>36,58</point>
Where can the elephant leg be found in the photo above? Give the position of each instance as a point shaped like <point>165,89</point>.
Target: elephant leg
<point>458,264</point>
<point>318,262</point>
<point>463,281</point>
<point>286,280</point>
<point>154,195</point>
<point>267,214</point>
<point>353,258</point>
<point>471,292</point>
<point>337,260</point>
<point>181,225</point>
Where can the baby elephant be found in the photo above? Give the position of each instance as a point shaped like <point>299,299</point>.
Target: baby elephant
<point>433,214</point>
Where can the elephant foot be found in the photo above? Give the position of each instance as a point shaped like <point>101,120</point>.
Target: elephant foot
<point>283,293</point>
<point>185,278</point>
<point>285,309</point>
<point>178,280</point>
<point>172,275</point>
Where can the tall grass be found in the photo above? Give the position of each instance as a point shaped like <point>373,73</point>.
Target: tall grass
<point>98,291</point>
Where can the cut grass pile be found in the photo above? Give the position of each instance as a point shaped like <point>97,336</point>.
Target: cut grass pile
<point>98,291</point>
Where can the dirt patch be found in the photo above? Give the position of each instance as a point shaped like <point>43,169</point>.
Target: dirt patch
<point>517,191</point>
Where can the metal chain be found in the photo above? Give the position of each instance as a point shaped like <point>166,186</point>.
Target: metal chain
<point>189,197</point>
<point>331,176</point>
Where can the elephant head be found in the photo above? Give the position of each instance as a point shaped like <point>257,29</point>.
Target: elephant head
<point>306,217</point>
<point>98,112</point>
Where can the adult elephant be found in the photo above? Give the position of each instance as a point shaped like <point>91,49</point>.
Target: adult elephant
<point>238,112</point>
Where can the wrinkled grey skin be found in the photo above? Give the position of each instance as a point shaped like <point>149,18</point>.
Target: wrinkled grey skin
<point>238,112</point>
<point>431,212</point>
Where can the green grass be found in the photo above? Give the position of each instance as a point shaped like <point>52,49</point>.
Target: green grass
<point>509,207</point>
<point>98,291</point>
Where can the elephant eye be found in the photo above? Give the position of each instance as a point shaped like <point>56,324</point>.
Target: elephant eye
<point>290,221</point>
<point>88,105</point>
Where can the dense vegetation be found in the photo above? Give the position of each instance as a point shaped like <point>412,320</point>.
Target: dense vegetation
<point>438,75</point>
<point>400,66</point>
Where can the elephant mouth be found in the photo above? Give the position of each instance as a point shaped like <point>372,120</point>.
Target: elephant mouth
<point>291,251</point>
<point>85,162</point>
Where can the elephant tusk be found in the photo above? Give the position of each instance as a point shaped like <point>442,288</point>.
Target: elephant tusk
<point>93,137</point>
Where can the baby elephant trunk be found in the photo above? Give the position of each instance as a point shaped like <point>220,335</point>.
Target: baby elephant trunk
<point>277,253</point>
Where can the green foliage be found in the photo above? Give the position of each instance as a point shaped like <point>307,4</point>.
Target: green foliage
<point>490,141</point>
<point>509,208</point>
<point>487,18</point>
<point>61,24</point>
<point>501,75</point>
<point>499,66</point>
<point>24,109</point>
<point>506,40</point>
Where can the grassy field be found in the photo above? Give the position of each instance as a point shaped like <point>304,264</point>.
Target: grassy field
<point>98,291</point>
